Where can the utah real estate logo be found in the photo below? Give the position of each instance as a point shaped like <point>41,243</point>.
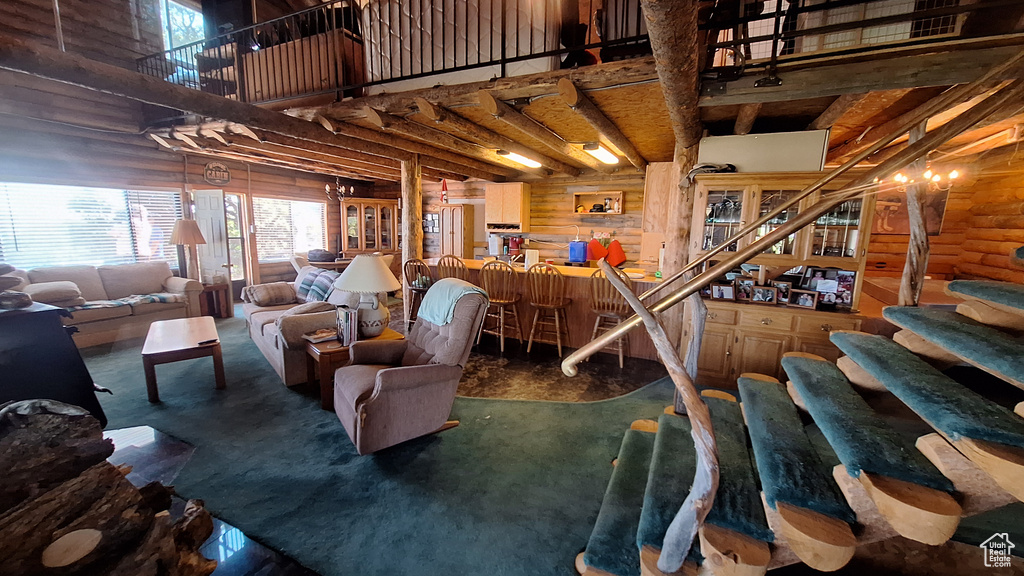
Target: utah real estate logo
<point>997,550</point>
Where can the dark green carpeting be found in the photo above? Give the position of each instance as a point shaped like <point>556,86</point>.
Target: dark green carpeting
<point>514,490</point>
<point>1005,293</point>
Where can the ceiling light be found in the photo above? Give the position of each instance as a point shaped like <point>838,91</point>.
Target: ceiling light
<point>600,152</point>
<point>954,175</point>
<point>519,159</point>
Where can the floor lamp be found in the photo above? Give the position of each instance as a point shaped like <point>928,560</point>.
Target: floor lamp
<point>187,233</point>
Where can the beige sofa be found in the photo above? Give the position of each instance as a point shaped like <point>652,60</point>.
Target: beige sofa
<point>116,302</point>
<point>277,330</point>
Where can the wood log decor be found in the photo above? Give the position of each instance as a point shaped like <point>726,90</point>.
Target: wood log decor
<point>65,510</point>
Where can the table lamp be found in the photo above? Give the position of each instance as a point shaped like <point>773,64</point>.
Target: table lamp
<point>368,276</point>
<point>186,233</point>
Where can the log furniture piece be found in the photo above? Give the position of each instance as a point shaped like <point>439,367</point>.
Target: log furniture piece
<point>394,391</point>
<point>418,279</point>
<point>500,280</point>
<point>456,229</point>
<point>38,359</point>
<point>326,357</point>
<point>609,306</point>
<point>451,267</point>
<point>216,301</point>
<point>181,339</point>
<point>547,295</point>
<point>64,509</point>
<point>507,207</point>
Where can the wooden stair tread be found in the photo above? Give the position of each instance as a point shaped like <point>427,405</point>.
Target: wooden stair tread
<point>987,348</point>
<point>1004,294</point>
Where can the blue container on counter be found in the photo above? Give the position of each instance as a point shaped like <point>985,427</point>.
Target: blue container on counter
<point>577,251</point>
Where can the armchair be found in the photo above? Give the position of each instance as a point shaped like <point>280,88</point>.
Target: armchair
<point>397,390</point>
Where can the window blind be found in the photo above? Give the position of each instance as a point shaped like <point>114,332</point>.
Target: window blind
<point>42,225</point>
<point>284,227</point>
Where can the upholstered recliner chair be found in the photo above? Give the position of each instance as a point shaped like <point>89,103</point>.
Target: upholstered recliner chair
<point>393,391</point>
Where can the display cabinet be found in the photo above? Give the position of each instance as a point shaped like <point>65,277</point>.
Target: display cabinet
<point>370,225</point>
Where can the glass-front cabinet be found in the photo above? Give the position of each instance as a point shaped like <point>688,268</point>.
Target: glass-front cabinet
<point>370,226</point>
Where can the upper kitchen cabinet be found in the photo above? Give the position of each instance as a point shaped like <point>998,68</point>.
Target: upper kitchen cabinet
<point>507,207</point>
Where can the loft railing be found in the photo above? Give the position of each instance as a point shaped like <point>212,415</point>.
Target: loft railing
<point>761,34</point>
<point>342,48</point>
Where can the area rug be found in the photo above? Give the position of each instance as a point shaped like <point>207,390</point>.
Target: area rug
<point>513,490</point>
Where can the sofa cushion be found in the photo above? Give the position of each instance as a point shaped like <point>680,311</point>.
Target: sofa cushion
<point>304,281</point>
<point>87,278</point>
<point>270,294</point>
<point>322,286</point>
<point>273,335</point>
<point>261,319</point>
<point>354,384</point>
<point>50,292</point>
<point>68,303</point>
<point>248,308</point>
<point>151,307</point>
<point>126,279</point>
<point>93,314</point>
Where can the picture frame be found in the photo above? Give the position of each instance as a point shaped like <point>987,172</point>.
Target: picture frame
<point>782,291</point>
<point>723,292</point>
<point>744,289</point>
<point>846,279</point>
<point>705,292</point>
<point>765,295</point>
<point>807,299</point>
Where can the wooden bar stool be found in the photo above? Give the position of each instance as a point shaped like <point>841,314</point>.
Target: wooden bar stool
<point>500,281</point>
<point>418,278</point>
<point>452,267</point>
<point>547,285</point>
<point>611,308</point>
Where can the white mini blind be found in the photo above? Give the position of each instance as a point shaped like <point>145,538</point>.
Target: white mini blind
<point>284,227</point>
<point>42,225</point>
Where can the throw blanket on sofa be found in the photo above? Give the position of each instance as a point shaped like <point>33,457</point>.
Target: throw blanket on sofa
<point>133,300</point>
<point>438,306</point>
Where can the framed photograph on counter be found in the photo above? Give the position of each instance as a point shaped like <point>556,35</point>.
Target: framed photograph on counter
<point>723,292</point>
<point>764,295</point>
<point>782,291</point>
<point>744,289</point>
<point>803,299</point>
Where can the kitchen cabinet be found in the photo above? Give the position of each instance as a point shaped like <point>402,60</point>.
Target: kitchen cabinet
<point>370,226</point>
<point>456,223</point>
<point>507,207</point>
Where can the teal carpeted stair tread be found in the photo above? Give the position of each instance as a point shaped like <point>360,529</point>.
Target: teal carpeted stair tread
<point>861,439</point>
<point>612,545</point>
<point>1004,293</point>
<point>789,466</point>
<point>668,482</point>
<point>945,404</point>
<point>973,341</point>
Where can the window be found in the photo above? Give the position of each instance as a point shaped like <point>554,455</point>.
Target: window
<point>284,227</point>
<point>44,225</point>
<point>236,243</point>
<point>182,24</point>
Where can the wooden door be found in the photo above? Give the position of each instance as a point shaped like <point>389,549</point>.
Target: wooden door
<point>458,227</point>
<point>512,203</point>
<point>714,365</point>
<point>761,352</point>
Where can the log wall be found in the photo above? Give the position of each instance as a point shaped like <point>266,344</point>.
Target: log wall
<point>996,226</point>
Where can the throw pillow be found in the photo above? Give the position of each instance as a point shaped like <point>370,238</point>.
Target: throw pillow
<point>302,290</point>
<point>322,286</point>
<point>271,294</point>
<point>48,292</point>
<point>307,308</point>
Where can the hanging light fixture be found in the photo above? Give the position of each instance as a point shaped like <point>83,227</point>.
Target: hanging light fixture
<point>519,159</point>
<point>600,152</point>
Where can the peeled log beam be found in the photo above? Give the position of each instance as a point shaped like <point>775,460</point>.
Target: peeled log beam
<point>494,106</point>
<point>489,139</point>
<point>745,118</point>
<point>835,111</point>
<point>582,105</point>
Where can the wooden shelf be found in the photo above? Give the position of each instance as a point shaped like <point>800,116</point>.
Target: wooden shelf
<point>588,199</point>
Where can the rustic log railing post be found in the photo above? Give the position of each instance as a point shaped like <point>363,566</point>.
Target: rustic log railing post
<point>916,266</point>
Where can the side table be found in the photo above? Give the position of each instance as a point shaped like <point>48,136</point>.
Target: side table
<point>323,358</point>
<point>216,301</point>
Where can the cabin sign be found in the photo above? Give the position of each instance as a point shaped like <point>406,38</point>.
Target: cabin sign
<point>217,173</point>
<point>997,550</point>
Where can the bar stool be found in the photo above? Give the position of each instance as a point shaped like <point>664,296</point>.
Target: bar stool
<point>418,278</point>
<point>499,280</point>
<point>452,267</point>
<point>611,308</point>
<point>546,288</point>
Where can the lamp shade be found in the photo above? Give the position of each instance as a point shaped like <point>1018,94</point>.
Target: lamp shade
<point>187,232</point>
<point>367,274</point>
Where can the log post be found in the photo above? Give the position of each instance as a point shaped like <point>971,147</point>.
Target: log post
<point>412,220</point>
<point>916,266</point>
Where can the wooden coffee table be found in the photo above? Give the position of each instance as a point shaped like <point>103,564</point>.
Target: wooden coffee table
<point>330,355</point>
<point>181,339</point>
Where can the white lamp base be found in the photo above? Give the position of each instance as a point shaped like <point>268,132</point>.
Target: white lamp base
<point>374,317</point>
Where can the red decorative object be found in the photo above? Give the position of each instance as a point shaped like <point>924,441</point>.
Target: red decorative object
<point>616,255</point>
<point>595,250</point>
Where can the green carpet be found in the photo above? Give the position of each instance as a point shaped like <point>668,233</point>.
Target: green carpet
<point>1005,293</point>
<point>514,490</point>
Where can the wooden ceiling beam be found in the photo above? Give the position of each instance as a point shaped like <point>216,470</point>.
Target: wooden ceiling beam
<point>585,107</point>
<point>238,156</point>
<point>488,138</point>
<point>530,127</point>
<point>417,131</point>
<point>235,142</point>
<point>745,119</point>
<point>836,110</point>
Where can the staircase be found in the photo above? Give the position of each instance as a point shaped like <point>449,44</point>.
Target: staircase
<point>781,500</point>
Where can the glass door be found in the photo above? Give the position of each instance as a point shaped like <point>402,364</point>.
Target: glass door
<point>837,232</point>
<point>723,217</point>
<point>387,227</point>
<point>236,242</point>
<point>370,227</point>
<point>769,201</point>
<point>351,224</point>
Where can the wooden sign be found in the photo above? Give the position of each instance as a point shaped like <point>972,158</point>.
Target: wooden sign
<point>217,173</point>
